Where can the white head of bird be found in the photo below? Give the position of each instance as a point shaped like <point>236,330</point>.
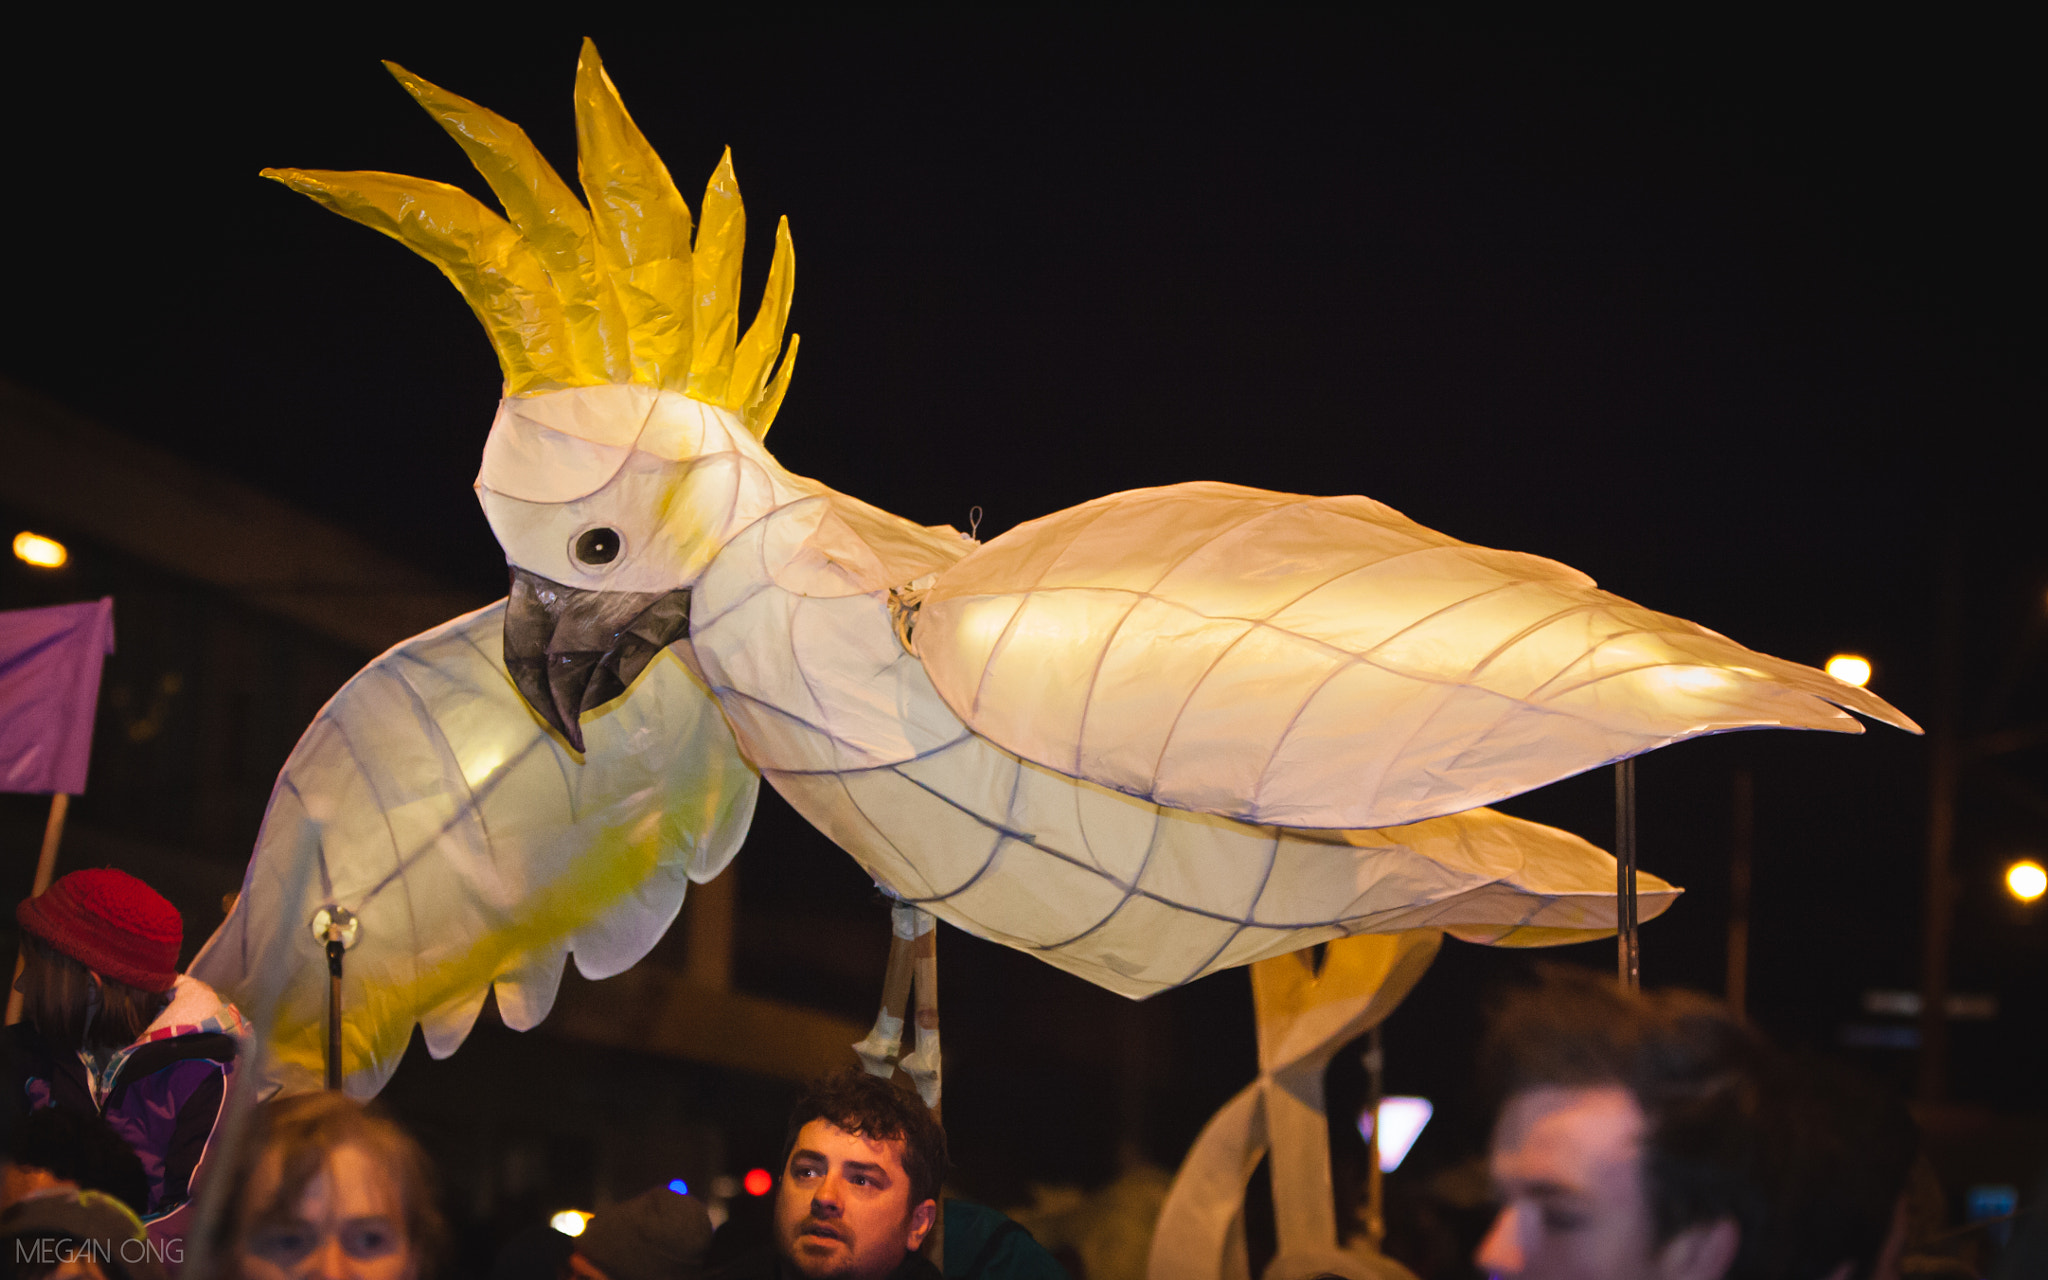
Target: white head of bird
<point>623,487</point>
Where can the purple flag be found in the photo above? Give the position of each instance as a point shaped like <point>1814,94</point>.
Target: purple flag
<point>49,685</point>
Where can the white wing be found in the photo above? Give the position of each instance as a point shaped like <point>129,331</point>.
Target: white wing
<point>1325,662</point>
<point>473,847</point>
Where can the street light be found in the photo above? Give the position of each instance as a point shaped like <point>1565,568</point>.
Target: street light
<point>2026,880</point>
<point>1850,668</point>
<point>43,553</point>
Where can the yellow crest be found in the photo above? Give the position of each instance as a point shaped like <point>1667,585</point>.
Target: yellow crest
<point>575,297</point>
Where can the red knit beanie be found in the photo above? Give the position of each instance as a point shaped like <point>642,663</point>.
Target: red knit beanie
<point>111,923</point>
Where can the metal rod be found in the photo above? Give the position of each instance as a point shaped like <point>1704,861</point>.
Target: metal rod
<point>1375,1185</point>
<point>1742,841</point>
<point>1942,767</point>
<point>335,949</point>
<point>926,1004</point>
<point>1628,957</point>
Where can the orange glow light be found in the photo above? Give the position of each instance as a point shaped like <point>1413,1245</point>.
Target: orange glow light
<point>1850,669</point>
<point>758,1182</point>
<point>43,553</point>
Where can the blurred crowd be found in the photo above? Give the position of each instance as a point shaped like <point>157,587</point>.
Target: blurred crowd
<point>1637,1136</point>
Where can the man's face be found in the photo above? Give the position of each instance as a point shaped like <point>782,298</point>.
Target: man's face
<point>1568,1166</point>
<point>844,1208</point>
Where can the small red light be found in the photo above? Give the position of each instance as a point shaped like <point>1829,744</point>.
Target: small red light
<point>758,1182</point>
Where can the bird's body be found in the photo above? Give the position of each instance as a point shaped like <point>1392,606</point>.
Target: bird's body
<point>1163,733</point>
<point>805,627</point>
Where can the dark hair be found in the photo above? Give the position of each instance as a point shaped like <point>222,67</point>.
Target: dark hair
<point>1694,1069</point>
<point>879,1111</point>
<point>81,1148</point>
<point>1843,1152</point>
<point>303,1130</point>
<point>57,999</point>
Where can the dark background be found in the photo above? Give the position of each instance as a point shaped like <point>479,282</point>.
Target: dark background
<point>1741,317</point>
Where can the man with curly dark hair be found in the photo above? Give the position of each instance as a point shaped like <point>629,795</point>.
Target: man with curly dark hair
<point>861,1168</point>
<point>862,1161</point>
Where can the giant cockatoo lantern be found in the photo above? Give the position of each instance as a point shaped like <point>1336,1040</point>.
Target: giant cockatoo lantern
<point>1162,733</point>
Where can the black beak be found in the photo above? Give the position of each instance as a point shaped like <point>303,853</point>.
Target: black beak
<point>571,650</point>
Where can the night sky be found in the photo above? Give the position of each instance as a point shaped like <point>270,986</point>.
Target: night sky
<point>1741,319</point>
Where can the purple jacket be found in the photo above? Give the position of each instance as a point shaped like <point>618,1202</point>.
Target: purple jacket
<point>163,1094</point>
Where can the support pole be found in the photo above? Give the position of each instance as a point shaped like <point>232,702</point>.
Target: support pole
<point>923,1064</point>
<point>1375,1093</point>
<point>335,950</point>
<point>884,1044</point>
<point>911,984</point>
<point>1628,958</point>
<point>335,928</point>
<point>46,868</point>
<point>53,831</point>
<point>1742,841</point>
<point>1941,834</point>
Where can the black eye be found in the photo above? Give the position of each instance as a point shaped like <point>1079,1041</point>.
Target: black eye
<point>598,546</point>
